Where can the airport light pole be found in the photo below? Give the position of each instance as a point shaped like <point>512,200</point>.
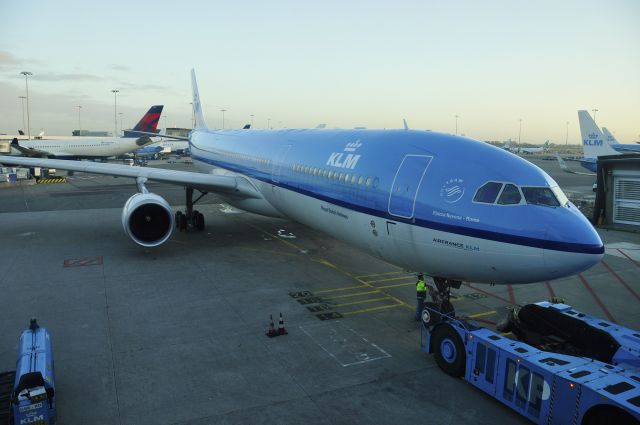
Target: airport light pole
<point>223,111</point>
<point>121,114</point>
<point>26,83</point>
<point>566,139</point>
<point>593,110</point>
<point>457,116</point>
<point>251,120</point>
<point>79,122</point>
<point>268,123</point>
<point>23,98</point>
<point>115,111</point>
<point>519,130</point>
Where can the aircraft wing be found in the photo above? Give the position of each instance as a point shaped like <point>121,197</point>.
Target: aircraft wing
<point>30,151</point>
<point>566,169</point>
<point>237,186</point>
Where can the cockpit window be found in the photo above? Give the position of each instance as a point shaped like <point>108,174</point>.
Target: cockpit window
<point>510,195</point>
<point>540,196</point>
<point>488,193</point>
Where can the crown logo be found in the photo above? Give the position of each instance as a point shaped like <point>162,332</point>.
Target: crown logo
<point>353,146</point>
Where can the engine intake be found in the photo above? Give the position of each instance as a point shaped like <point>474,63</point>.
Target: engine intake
<point>147,219</point>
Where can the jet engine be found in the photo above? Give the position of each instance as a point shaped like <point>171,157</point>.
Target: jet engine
<point>147,219</point>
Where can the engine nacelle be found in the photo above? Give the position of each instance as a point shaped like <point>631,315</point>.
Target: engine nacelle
<point>148,219</point>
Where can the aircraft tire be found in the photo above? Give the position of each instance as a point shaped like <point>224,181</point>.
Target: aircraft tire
<point>178,215</point>
<point>200,221</point>
<point>183,223</point>
<point>448,350</point>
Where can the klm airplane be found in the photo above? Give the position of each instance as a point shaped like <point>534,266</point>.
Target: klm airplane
<point>452,207</point>
<point>595,144</point>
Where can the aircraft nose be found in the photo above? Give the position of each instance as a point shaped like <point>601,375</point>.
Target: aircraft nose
<point>574,245</point>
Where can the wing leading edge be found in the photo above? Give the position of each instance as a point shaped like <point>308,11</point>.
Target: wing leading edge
<point>236,186</point>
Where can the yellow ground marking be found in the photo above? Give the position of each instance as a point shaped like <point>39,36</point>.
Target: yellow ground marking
<point>388,280</point>
<point>349,295</point>
<point>378,274</point>
<point>396,285</point>
<point>333,266</point>
<point>366,310</point>
<point>370,300</point>
<point>486,313</point>
<point>346,288</point>
<point>270,251</point>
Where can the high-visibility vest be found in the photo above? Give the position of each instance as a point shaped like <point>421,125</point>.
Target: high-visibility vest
<point>421,286</point>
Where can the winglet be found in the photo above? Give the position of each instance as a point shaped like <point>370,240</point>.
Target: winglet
<point>197,108</point>
<point>562,164</point>
<point>406,127</point>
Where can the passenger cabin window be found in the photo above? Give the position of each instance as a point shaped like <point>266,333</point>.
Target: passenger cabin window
<point>488,193</point>
<point>540,196</point>
<point>510,195</point>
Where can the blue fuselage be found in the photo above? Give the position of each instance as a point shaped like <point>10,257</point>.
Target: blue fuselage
<point>426,181</point>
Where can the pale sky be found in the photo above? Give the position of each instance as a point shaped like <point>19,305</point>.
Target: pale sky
<point>343,63</point>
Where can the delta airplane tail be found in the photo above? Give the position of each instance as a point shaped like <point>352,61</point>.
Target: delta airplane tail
<point>197,108</point>
<point>594,143</point>
<point>147,124</point>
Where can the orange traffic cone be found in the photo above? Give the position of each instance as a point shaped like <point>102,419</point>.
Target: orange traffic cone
<point>281,329</point>
<point>271,332</point>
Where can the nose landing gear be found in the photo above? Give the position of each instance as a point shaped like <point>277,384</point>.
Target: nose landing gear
<point>440,306</point>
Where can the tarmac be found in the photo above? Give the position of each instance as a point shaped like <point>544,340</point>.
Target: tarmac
<point>176,335</point>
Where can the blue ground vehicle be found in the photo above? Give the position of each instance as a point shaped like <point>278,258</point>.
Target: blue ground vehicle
<point>565,367</point>
<point>31,400</point>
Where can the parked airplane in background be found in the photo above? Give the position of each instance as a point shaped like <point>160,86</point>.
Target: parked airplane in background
<point>595,144</point>
<point>541,149</point>
<point>454,208</point>
<point>620,147</point>
<point>508,147</point>
<point>87,148</point>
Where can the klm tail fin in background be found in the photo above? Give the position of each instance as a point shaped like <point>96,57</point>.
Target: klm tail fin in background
<point>610,138</point>
<point>148,123</point>
<point>197,107</point>
<point>594,143</point>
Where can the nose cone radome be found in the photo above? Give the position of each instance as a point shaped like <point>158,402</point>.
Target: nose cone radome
<point>574,245</point>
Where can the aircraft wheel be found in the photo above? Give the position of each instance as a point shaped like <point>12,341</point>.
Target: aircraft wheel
<point>430,314</point>
<point>182,223</point>
<point>178,215</point>
<point>200,221</point>
<point>448,350</point>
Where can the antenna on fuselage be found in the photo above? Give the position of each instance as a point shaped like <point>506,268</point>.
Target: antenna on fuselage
<point>197,107</point>
<point>406,127</point>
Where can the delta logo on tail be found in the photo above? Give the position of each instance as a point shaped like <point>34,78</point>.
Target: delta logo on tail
<point>148,123</point>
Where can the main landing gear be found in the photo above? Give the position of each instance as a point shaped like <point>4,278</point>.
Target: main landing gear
<point>440,305</point>
<point>190,218</point>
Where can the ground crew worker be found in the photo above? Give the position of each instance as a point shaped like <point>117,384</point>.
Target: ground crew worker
<point>421,294</point>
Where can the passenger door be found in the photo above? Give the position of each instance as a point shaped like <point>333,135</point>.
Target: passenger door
<point>402,197</point>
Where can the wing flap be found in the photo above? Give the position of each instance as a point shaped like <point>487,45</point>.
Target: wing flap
<point>231,185</point>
